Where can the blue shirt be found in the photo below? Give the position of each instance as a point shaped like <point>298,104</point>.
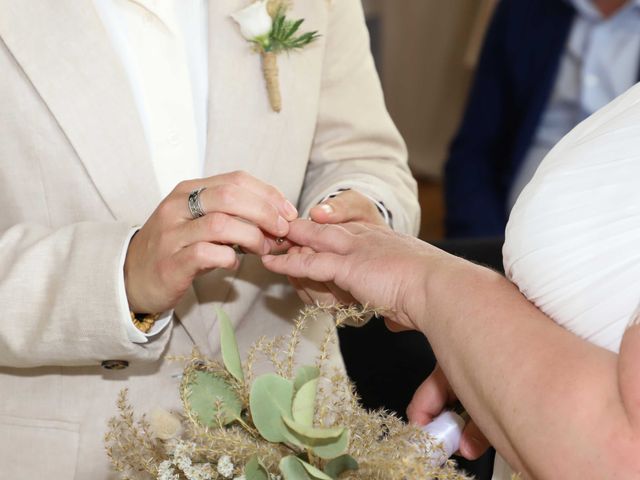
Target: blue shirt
<point>600,62</point>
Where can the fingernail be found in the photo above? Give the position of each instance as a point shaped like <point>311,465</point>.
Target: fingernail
<point>291,211</point>
<point>470,448</point>
<point>326,208</point>
<point>283,225</point>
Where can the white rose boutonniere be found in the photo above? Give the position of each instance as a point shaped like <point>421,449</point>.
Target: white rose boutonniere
<point>265,25</point>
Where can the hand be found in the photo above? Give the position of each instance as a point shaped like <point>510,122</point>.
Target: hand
<point>172,249</point>
<point>321,293</point>
<point>373,264</point>
<point>430,400</point>
<point>347,206</point>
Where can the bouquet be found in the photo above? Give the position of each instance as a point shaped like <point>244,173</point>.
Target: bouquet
<point>302,423</point>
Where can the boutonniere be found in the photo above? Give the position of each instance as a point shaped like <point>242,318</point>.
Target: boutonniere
<point>264,23</point>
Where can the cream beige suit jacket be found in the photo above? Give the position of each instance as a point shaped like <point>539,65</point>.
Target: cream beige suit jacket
<point>75,176</point>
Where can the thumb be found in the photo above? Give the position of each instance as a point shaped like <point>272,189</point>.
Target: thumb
<point>473,443</point>
<point>430,398</point>
<point>348,206</point>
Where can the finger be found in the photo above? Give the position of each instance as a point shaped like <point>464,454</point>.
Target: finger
<point>473,443</point>
<point>321,238</point>
<point>348,206</point>
<point>321,267</point>
<point>395,327</point>
<point>296,283</point>
<point>202,257</point>
<point>326,294</point>
<point>430,398</point>
<point>278,245</point>
<point>224,229</point>
<point>242,203</point>
<point>302,293</point>
<point>245,181</point>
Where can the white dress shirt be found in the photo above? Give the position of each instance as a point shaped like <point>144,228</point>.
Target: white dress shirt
<point>599,63</point>
<point>162,45</point>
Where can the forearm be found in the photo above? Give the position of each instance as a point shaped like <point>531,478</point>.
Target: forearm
<point>356,145</point>
<point>59,296</point>
<point>554,405</point>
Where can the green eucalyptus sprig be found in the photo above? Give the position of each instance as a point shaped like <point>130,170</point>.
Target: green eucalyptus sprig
<point>272,34</point>
<point>279,410</point>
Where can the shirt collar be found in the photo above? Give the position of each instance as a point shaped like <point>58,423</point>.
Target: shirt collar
<point>587,9</point>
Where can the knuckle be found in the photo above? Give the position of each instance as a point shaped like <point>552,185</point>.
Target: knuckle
<point>226,194</point>
<point>199,253</point>
<point>216,222</point>
<point>183,186</point>
<point>239,176</point>
<point>269,213</point>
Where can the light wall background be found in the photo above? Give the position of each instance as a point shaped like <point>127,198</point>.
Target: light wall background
<point>427,50</point>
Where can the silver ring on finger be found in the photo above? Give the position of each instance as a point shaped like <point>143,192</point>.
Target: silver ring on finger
<point>195,207</point>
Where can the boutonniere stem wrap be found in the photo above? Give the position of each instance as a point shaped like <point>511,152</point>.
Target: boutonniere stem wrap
<point>264,23</point>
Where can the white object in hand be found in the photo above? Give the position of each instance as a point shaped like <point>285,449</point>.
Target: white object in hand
<point>445,430</point>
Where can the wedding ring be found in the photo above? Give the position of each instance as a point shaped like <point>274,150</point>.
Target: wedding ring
<point>238,249</point>
<point>195,207</point>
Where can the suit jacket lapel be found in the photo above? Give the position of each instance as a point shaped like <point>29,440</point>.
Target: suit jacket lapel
<point>65,51</point>
<point>238,100</point>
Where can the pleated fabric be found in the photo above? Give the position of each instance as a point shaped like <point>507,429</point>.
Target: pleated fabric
<point>573,238</point>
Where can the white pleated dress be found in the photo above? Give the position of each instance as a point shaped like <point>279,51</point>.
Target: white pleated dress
<point>573,238</point>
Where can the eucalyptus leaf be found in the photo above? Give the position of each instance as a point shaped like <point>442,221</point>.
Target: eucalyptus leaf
<point>304,403</point>
<point>292,469</point>
<point>205,389</point>
<point>229,345</point>
<point>326,443</point>
<point>339,465</point>
<point>313,432</point>
<point>314,472</point>
<point>332,449</point>
<point>305,374</point>
<point>254,470</point>
<point>270,401</point>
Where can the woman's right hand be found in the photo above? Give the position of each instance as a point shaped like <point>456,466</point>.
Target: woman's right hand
<point>172,248</point>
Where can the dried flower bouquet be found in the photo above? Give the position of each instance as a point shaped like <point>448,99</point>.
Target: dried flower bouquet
<point>291,424</point>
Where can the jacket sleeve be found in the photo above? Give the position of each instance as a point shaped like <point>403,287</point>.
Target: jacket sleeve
<point>475,205</point>
<point>59,297</point>
<point>356,144</point>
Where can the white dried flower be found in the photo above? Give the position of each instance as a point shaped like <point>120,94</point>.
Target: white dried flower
<point>166,472</point>
<point>241,477</point>
<point>184,449</point>
<point>182,453</point>
<point>225,466</point>
<point>164,425</point>
<point>255,21</point>
<point>202,471</point>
